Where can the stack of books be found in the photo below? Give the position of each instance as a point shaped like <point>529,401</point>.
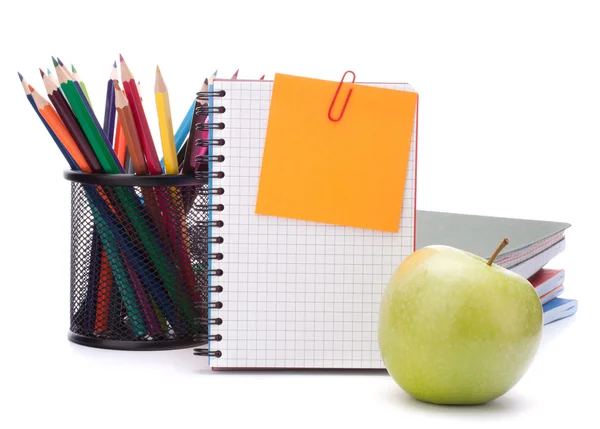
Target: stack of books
<point>532,245</point>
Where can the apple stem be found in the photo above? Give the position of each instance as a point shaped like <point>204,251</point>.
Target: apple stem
<point>498,250</point>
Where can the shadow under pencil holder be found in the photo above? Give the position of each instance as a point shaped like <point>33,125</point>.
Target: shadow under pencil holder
<point>139,259</point>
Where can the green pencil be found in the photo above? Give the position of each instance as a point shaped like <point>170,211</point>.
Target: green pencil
<point>118,266</point>
<point>83,87</point>
<point>86,121</point>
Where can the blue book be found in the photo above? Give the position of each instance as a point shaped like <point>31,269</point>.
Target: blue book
<point>559,308</point>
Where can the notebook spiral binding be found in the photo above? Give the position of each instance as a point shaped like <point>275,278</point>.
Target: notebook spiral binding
<point>206,170</point>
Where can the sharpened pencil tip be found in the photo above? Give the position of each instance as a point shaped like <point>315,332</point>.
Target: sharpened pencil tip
<point>42,73</point>
<point>121,58</point>
<point>31,88</point>
<point>115,64</point>
<point>157,69</point>
<point>60,62</point>
<point>205,81</point>
<point>20,76</point>
<point>215,73</point>
<point>54,62</point>
<point>73,69</point>
<point>48,71</point>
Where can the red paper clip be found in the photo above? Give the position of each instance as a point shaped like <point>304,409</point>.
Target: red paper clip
<point>336,94</point>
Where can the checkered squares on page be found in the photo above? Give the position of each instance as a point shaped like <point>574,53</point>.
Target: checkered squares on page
<point>295,294</point>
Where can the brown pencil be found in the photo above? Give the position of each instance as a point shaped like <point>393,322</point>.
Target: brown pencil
<point>134,145</point>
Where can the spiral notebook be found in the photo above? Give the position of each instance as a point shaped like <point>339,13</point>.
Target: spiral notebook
<point>285,292</point>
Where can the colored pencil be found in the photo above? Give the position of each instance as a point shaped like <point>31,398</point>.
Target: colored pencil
<point>156,202</point>
<point>85,116</point>
<point>96,282</point>
<point>130,133</point>
<point>182,134</point>
<point>176,224</point>
<point>95,202</point>
<point>52,76</point>
<point>165,122</point>
<point>66,115</point>
<point>59,144</point>
<point>52,118</point>
<point>235,75</point>
<point>89,308</point>
<point>109,108</point>
<point>105,284</point>
<point>137,155</point>
<point>113,234</point>
<point>203,150</point>
<point>129,201</point>
<point>120,144</point>
<point>133,97</point>
<point>119,210</point>
<point>78,79</point>
<point>57,62</point>
<point>200,115</point>
<point>174,230</point>
<point>104,136</point>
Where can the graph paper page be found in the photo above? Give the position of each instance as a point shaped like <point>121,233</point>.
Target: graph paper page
<point>296,294</point>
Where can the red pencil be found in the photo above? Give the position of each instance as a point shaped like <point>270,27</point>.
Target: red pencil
<point>141,123</point>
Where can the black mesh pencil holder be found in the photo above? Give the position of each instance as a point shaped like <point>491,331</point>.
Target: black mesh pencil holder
<point>139,258</point>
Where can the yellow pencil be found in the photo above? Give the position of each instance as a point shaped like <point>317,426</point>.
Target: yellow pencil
<point>166,124</point>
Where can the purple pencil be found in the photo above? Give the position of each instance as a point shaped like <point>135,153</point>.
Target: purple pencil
<point>109,109</point>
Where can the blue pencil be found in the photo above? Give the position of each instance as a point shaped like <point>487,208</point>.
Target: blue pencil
<point>61,147</point>
<point>183,130</point>
<point>110,110</point>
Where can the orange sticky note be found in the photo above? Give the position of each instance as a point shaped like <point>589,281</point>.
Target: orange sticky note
<point>349,173</point>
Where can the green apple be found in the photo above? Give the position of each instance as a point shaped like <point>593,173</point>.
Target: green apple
<point>454,329</point>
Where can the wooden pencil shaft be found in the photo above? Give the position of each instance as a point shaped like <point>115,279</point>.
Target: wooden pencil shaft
<point>166,132</point>
<point>109,112</point>
<point>142,125</point>
<point>64,136</point>
<point>189,162</point>
<point>132,140</point>
<point>66,114</point>
<point>99,129</point>
<point>157,255</point>
<point>65,153</point>
<point>104,217</point>
<point>128,231</point>
<point>120,144</point>
<point>90,130</point>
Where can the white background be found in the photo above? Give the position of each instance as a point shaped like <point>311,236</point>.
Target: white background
<point>509,114</point>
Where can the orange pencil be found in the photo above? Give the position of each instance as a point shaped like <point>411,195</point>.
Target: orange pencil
<point>120,143</point>
<point>130,134</point>
<point>57,126</point>
<point>104,292</point>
